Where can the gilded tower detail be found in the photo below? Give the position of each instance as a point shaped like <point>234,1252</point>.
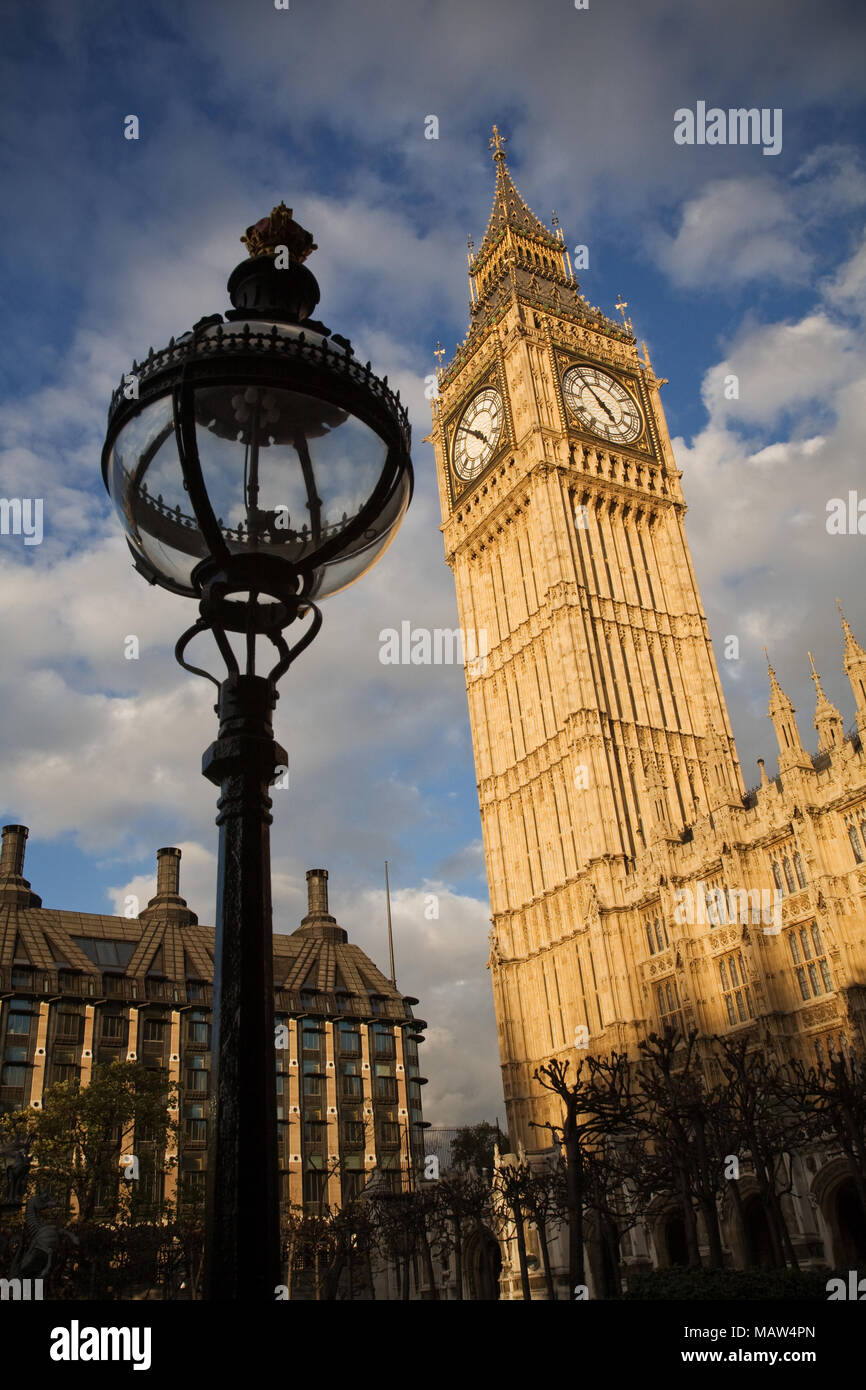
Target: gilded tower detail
<point>633,881</point>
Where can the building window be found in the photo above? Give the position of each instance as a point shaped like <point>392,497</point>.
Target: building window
<point>810,963</point>
<point>800,871</point>
<point>313,1082</point>
<point>311,1036</point>
<point>352,1087</point>
<point>193,1187</point>
<point>154,1030</point>
<point>315,1183</point>
<point>113,1027</point>
<point>354,1180</point>
<point>70,1027</point>
<point>668,1004</point>
<point>117,953</point>
<point>14,1075</point>
<point>22,977</point>
<point>385,1088</point>
<point>195,1123</point>
<point>777,877</point>
<point>18,1020</point>
<point>350,1040</point>
<point>389,1134</point>
<point>353,1132</point>
<point>314,1132</point>
<point>198,1029</point>
<point>855,842</point>
<point>384,1044</point>
<point>197,1080</point>
<point>789,875</point>
<point>736,993</point>
<point>656,935</point>
<point>195,991</point>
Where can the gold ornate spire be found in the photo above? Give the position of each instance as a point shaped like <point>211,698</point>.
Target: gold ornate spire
<point>497,143</point>
<point>511,213</point>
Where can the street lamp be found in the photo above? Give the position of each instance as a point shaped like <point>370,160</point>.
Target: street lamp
<point>256,466</point>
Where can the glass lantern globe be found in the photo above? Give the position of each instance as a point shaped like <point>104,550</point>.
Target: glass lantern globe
<point>260,447</point>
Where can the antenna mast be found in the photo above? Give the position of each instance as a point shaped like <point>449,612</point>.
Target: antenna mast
<point>390,932</point>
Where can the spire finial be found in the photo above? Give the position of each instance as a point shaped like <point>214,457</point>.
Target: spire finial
<point>497,143</point>
<point>815,677</point>
<point>439,353</point>
<point>845,625</point>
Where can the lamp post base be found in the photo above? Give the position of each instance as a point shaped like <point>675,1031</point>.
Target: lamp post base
<point>242,1237</point>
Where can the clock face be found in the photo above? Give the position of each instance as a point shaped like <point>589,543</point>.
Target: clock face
<point>478,433</point>
<point>600,404</point>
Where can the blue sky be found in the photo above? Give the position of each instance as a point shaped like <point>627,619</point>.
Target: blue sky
<point>730,260</point>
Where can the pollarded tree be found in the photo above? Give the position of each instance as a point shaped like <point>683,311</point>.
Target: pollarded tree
<point>832,1100</point>
<point>765,1121</point>
<point>512,1185</point>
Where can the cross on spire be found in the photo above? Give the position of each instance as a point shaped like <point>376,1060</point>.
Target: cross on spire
<point>439,353</point>
<point>497,143</point>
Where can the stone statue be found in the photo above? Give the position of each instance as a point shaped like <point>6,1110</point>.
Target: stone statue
<point>40,1257</point>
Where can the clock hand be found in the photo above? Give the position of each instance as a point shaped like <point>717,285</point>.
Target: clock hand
<point>607,412</point>
<point>477,433</point>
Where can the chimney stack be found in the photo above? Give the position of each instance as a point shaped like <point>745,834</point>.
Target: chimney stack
<point>14,888</point>
<point>168,905</point>
<point>317,892</point>
<point>318,921</point>
<point>12,853</point>
<point>167,873</point>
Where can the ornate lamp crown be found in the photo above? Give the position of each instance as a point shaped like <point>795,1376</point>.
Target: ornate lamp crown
<point>279,229</point>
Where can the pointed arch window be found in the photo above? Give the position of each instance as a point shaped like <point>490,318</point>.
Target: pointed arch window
<point>800,871</point>
<point>789,875</point>
<point>855,842</point>
<point>810,963</point>
<point>736,992</point>
<point>777,877</point>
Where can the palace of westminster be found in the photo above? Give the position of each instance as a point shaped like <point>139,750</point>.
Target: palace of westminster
<point>610,793</point>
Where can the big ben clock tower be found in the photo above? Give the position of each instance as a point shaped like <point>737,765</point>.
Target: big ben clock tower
<point>634,885</point>
<point>598,722</point>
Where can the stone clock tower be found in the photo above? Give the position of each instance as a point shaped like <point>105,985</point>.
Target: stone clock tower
<point>603,749</point>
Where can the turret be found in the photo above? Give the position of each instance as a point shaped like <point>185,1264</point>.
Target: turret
<point>791,751</point>
<point>854,666</point>
<point>828,720</point>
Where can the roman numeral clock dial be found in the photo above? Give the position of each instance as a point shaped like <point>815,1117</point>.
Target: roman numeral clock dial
<point>601,404</point>
<point>478,434</point>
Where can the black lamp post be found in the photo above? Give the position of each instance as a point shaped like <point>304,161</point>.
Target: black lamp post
<point>256,466</point>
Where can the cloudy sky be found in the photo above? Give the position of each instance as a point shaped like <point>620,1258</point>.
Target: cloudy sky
<point>732,262</point>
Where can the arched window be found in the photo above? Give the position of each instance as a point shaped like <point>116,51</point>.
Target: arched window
<point>649,937</point>
<point>801,872</point>
<point>789,875</point>
<point>777,877</point>
<point>658,932</point>
<point>855,843</point>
